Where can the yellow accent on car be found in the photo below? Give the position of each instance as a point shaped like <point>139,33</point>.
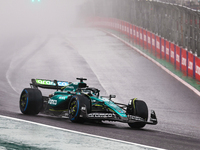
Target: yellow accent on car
<point>134,103</point>
<point>65,86</point>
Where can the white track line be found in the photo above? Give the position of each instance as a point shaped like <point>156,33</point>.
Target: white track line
<point>158,64</point>
<point>81,133</point>
<point>8,80</point>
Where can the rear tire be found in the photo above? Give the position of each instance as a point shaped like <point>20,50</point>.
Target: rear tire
<point>75,104</point>
<point>31,101</point>
<point>140,109</point>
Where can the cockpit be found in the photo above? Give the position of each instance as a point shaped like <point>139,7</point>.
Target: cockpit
<point>90,91</point>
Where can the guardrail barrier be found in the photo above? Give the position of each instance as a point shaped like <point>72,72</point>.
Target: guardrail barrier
<point>183,60</point>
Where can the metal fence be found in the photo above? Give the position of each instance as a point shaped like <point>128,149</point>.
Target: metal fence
<point>176,23</point>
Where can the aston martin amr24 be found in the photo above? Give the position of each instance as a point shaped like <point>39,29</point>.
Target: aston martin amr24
<point>80,102</point>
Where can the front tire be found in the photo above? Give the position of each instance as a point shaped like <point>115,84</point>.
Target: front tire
<point>75,104</point>
<point>31,101</point>
<point>140,109</point>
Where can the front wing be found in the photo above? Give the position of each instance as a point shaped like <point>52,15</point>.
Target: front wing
<point>114,117</point>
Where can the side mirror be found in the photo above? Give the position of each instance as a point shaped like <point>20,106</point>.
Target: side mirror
<point>112,96</point>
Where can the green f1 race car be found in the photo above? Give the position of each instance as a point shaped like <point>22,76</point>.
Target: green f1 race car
<point>80,103</point>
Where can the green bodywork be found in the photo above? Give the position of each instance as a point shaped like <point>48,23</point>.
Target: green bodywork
<point>63,96</point>
<point>110,104</point>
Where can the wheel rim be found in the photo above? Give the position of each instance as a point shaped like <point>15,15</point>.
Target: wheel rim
<point>73,109</point>
<point>23,101</point>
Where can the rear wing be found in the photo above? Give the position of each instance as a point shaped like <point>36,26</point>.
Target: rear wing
<point>49,84</point>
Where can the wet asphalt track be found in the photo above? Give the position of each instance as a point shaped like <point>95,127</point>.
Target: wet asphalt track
<point>110,66</point>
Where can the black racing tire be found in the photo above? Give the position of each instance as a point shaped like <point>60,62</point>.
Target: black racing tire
<point>140,109</point>
<point>31,101</point>
<point>74,109</point>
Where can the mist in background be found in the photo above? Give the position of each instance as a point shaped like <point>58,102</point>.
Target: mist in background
<point>24,17</point>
